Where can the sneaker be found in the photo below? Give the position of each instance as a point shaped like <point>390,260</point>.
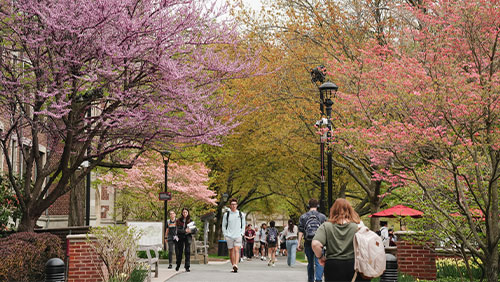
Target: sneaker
<point>169,266</point>
<point>269,263</point>
<point>263,258</point>
<point>235,268</point>
<point>272,264</point>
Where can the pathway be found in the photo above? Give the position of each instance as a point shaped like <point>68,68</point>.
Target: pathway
<point>249,271</point>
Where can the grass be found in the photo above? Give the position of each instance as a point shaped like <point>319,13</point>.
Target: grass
<point>217,257</point>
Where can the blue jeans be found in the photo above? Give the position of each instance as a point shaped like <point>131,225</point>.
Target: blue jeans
<point>291,249</point>
<point>312,263</point>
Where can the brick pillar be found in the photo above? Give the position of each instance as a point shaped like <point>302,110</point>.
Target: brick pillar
<point>417,259</point>
<point>83,263</point>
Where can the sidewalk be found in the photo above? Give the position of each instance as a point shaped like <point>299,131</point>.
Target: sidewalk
<point>249,271</point>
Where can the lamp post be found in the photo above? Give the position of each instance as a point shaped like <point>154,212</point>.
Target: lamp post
<point>328,90</point>
<point>166,158</point>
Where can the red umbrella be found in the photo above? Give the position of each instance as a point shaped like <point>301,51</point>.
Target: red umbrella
<point>398,211</point>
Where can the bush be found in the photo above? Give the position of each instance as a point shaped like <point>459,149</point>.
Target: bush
<point>25,254</point>
<point>116,246</point>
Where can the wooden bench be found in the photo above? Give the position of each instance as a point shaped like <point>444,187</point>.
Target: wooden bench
<point>150,261</point>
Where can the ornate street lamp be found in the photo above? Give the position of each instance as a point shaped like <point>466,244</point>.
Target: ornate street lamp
<point>165,154</point>
<point>328,90</point>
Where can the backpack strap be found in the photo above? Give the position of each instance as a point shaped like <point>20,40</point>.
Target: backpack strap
<point>227,219</point>
<point>241,219</point>
<point>354,277</point>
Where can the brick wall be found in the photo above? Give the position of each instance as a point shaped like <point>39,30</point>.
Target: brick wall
<point>84,264</point>
<point>417,260</point>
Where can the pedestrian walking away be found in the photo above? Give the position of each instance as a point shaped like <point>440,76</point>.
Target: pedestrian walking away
<point>250,237</point>
<point>384,233</point>
<point>272,242</point>
<point>170,232</point>
<point>233,228</point>
<point>184,238</point>
<point>309,222</point>
<point>291,235</point>
<point>337,236</point>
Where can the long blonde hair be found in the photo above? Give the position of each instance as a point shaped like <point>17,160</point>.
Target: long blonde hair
<point>342,212</point>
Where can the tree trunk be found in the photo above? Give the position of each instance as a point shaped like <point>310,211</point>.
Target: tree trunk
<point>27,222</point>
<point>491,266</point>
<point>76,215</point>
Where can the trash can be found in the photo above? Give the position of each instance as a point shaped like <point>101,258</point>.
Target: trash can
<point>222,248</point>
<point>391,269</point>
<point>54,270</point>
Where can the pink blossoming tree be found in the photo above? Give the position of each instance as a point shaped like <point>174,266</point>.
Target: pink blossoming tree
<point>138,187</point>
<point>426,108</point>
<point>84,80</point>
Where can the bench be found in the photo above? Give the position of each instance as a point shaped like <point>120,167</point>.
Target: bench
<point>150,261</point>
<point>199,247</point>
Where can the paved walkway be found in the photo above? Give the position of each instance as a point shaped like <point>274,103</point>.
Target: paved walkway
<point>249,271</point>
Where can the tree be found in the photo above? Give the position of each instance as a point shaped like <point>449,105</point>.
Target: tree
<point>431,97</point>
<point>81,81</point>
<point>138,187</point>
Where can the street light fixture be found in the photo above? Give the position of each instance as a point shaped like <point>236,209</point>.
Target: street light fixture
<point>328,90</point>
<point>165,154</point>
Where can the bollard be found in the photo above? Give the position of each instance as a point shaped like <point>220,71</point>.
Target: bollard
<point>54,270</point>
<point>391,269</point>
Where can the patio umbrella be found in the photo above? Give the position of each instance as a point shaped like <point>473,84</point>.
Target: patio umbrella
<point>398,211</point>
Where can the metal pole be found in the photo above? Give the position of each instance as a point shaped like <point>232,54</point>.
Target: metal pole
<point>87,187</point>
<point>322,196</point>
<point>165,224</point>
<point>329,104</point>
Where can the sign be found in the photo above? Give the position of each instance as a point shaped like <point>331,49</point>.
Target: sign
<point>165,196</point>
<point>152,232</point>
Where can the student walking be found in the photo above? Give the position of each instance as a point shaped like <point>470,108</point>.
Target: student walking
<point>263,243</point>
<point>250,237</point>
<point>337,236</point>
<point>272,238</point>
<point>309,222</point>
<point>170,232</point>
<point>233,228</point>
<point>184,239</point>
<point>256,246</point>
<point>291,234</point>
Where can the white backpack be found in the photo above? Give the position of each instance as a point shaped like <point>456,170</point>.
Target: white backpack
<point>369,253</point>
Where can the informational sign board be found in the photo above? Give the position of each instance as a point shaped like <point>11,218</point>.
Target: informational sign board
<point>165,196</point>
<point>151,232</point>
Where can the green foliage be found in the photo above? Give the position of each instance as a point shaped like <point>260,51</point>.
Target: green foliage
<point>456,268</point>
<point>161,254</point>
<point>138,275</point>
<point>116,245</point>
<point>25,254</point>
<point>9,205</point>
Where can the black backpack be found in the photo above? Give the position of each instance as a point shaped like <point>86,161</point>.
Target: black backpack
<point>227,219</point>
<point>312,224</point>
<point>272,235</point>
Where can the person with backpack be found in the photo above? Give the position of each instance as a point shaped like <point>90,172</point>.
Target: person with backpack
<point>170,231</point>
<point>272,242</point>
<point>233,228</point>
<point>337,235</point>
<point>384,233</point>
<point>309,222</point>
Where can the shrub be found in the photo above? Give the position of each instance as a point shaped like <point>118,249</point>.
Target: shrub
<point>116,246</point>
<point>25,254</point>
